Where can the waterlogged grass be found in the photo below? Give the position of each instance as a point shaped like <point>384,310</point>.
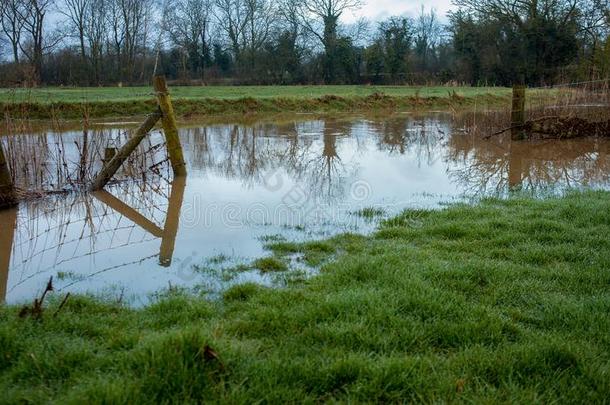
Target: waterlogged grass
<point>269,265</point>
<point>508,301</point>
<point>315,253</point>
<point>369,213</point>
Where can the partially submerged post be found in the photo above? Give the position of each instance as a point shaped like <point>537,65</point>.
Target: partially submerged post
<point>165,112</point>
<point>7,190</point>
<point>121,156</point>
<point>518,113</point>
<point>170,128</point>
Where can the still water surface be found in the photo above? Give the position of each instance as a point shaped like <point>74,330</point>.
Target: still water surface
<point>298,180</point>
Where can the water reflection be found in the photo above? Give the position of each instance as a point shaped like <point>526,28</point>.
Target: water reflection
<point>8,220</point>
<point>295,179</point>
<point>167,234</point>
<point>54,161</point>
<point>484,167</point>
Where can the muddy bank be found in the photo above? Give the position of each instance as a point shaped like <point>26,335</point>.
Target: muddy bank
<point>208,106</point>
<point>566,128</point>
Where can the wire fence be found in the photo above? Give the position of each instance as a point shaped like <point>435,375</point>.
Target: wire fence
<point>69,226</point>
<point>50,162</point>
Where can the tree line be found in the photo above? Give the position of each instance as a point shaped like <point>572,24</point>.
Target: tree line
<point>482,42</point>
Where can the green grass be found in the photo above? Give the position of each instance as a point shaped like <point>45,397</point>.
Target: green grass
<point>313,253</point>
<point>77,103</point>
<point>46,95</point>
<point>269,264</point>
<point>508,301</point>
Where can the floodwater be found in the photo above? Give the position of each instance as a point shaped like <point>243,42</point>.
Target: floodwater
<point>297,179</point>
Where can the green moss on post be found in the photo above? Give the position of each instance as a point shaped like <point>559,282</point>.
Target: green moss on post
<point>170,128</point>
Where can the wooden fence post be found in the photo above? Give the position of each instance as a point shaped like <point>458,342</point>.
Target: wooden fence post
<point>518,113</point>
<point>170,128</point>
<point>172,221</point>
<point>8,219</point>
<point>121,155</point>
<point>128,212</point>
<point>7,190</point>
<point>109,153</point>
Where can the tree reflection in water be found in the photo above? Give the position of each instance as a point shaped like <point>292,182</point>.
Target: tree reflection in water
<point>495,167</point>
<point>138,221</point>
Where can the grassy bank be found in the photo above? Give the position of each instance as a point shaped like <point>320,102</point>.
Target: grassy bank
<point>76,103</point>
<point>508,301</point>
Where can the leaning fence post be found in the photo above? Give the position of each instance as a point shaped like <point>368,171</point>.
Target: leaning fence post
<point>122,154</point>
<point>518,113</point>
<point>7,190</point>
<point>108,154</point>
<point>170,128</point>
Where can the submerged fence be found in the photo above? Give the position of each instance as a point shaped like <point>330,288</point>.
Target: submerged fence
<point>90,152</point>
<point>79,173</point>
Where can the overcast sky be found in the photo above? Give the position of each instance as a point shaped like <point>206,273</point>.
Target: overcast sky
<point>379,9</point>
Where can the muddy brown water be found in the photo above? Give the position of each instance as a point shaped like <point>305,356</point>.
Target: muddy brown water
<point>296,179</point>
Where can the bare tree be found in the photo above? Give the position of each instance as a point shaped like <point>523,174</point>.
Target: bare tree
<point>189,29</point>
<point>96,34</point>
<point>233,21</point>
<point>11,20</point>
<point>76,13</point>
<point>427,35</point>
<point>129,24</point>
<point>260,14</point>
<point>288,12</point>
<point>314,13</point>
<point>247,24</point>
<point>34,15</point>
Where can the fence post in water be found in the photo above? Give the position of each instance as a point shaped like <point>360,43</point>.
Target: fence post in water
<point>122,154</point>
<point>169,126</point>
<point>8,219</point>
<point>518,113</point>
<point>7,190</point>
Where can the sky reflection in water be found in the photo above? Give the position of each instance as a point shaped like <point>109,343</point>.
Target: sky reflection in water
<point>300,180</point>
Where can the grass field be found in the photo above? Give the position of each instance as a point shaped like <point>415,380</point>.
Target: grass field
<point>85,103</point>
<point>105,94</point>
<point>504,302</point>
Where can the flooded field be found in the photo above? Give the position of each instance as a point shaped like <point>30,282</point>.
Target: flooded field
<point>248,184</point>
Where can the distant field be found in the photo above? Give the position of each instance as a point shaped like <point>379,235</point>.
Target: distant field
<point>102,102</point>
<point>104,94</point>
